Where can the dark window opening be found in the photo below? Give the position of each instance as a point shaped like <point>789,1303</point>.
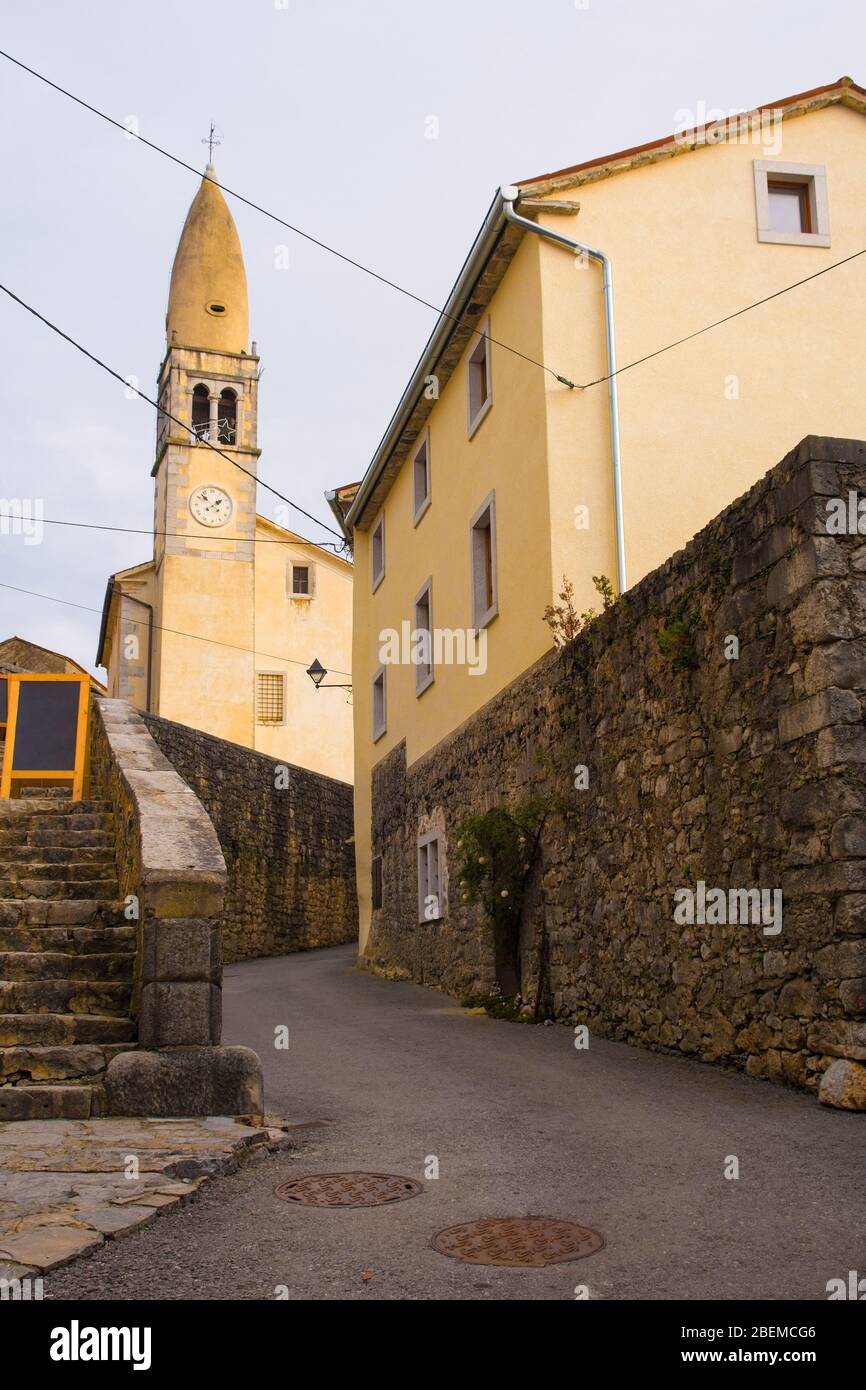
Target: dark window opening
<point>377,882</point>
<point>300,579</point>
<point>228,417</point>
<point>201,412</point>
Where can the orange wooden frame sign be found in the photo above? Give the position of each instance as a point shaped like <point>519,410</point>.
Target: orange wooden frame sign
<point>74,775</point>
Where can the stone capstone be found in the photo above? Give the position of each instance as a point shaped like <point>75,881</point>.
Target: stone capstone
<point>205,1081</point>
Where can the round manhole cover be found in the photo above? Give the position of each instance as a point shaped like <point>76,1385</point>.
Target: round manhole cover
<point>529,1242</point>
<point>347,1190</point>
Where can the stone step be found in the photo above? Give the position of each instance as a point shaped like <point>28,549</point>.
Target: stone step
<point>99,888</point>
<point>53,793</point>
<point>73,871</point>
<point>63,1029</point>
<point>64,996</point>
<point>51,1102</point>
<point>72,941</point>
<point>58,965</point>
<point>20,837</point>
<point>21,808</point>
<point>16,857</point>
<point>22,825</point>
<point>39,912</point>
<point>74,1065</point>
<point>25,1066</point>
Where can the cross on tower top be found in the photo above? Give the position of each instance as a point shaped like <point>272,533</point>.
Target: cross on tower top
<point>212,138</point>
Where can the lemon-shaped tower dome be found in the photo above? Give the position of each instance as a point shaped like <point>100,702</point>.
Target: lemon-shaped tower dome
<point>207,298</point>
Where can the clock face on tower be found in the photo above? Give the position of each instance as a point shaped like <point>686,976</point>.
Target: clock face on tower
<point>211,506</point>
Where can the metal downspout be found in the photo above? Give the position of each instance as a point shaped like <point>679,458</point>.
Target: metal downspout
<point>509,197</point>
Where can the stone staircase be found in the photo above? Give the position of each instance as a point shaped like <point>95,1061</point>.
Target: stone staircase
<point>66,957</point>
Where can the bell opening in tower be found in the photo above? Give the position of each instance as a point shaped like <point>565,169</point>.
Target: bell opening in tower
<point>201,412</point>
<point>228,416</point>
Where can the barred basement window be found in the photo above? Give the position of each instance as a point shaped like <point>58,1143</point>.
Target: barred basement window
<point>270,697</point>
<point>377,882</point>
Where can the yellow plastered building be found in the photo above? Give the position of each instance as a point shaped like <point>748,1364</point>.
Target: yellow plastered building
<point>544,435</point>
<point>218,629</point>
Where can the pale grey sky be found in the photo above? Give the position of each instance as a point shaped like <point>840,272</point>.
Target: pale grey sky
<point>324,111</point>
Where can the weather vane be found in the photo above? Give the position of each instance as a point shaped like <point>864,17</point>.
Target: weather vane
<point>211,139</point>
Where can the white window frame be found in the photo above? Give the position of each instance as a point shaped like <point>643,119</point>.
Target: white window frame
<point>380,726</point>
<point>310,567</point>
<point>481,613</point>
<point>432,839</point>
<point>377,577</point>
<point>482,346</point>
<point>811,176</point>
<point>270,723</point>
<point>419,508</point>
<point>424,677</point>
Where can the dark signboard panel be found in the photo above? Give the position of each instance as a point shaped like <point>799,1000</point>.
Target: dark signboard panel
<point>45,726</point>
<point>4,699</point>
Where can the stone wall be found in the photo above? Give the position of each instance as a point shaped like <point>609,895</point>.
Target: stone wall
<point>742,773</point>
<point>287,837</point>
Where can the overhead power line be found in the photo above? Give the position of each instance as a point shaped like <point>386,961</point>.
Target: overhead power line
<point>156,405</point>
<point>290,226</point>
<point>147,531</point>
<point>756,303</point>
<point>158,627</point>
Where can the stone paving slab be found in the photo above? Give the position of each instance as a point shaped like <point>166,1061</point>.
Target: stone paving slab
<point>67,1186</point>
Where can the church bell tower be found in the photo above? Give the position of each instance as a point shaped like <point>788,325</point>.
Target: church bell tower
<point>205,504</point>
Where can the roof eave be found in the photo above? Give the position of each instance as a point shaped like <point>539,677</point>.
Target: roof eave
<point>485,241</point>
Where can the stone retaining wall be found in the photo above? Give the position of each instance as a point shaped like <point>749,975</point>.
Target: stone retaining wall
<point>287,837</point>
<point>741,773</point>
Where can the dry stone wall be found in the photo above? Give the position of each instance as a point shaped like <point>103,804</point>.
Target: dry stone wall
<point>733,765</point>
<point>287,838</point>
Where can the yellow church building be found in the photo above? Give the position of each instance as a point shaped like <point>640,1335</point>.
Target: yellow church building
<point>217,630</point>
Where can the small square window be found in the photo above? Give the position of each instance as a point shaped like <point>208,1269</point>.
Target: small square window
<point>482,534</point>
<point>421,479</point>
<point>422,639</point>
<point>377,882</point>
<point>377,553</point>
<point>380,704</point>
<point>303,581</point>
<point>791,205</point>
<point>478,387</point>
<point>431,893</point>
<point>270,697</point>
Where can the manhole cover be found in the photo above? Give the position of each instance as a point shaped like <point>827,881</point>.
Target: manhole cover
<point>347,1190</point>
<point>529,1242</point>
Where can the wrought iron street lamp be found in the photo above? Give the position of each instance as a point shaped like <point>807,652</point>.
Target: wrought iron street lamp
<point>317,674</point>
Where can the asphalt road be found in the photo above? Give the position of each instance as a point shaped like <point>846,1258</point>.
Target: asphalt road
<point>380,1076</point>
